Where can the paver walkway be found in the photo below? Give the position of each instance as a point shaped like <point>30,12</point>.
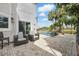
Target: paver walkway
<point>65,44</point>
<point>60,45</point>
<point>42,43</point>
<point>28,49</point>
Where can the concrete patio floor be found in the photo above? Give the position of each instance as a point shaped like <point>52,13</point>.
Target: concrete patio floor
<point>42,43</point>
<point>28,49</point>
<point>66,43</point>
<point>45,46</point>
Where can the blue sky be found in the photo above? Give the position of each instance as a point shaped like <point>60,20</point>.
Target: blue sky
<point>42,10</point>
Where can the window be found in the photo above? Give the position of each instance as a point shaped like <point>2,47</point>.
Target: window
<point>24,27</point>
<point>28,27</point>
<point>21,26</point>
<point>3,22</point>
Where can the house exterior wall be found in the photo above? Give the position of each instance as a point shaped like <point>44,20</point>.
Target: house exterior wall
<point>26,12</point>
<point>5,10</point>
<point>19,12</point>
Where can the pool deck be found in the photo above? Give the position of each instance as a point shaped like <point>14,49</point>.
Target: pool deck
<point>66,44</point>
<point>45,46</point>
<point>28,49</point>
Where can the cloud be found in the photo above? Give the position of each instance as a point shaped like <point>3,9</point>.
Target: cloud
<point>42,14</point>
<point>47,7</point>
<point>45,19</point>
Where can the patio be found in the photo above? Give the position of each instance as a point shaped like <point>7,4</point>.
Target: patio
<point>66,44</point>
<point>28,49</point>
<point>45,46</point>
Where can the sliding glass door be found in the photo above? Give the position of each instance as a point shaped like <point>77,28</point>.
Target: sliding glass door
<point>21,27</point>
<point>28,27</point>
<point>24,27</point>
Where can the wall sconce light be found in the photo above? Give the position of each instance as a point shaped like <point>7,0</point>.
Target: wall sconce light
<point>12,19</point>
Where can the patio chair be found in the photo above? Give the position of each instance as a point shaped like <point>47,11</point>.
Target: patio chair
<point>33,37</point>
<point>2,39</point>
<point>36,37</point>
<point>20,39</point>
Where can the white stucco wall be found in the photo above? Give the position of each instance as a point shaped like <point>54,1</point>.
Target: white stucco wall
<point>26,13</point>
<point>5,10</point>
<point>20,11</point>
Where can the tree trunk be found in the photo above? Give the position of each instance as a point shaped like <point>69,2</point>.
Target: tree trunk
<point>60,28</point>
<point>77,38</point>
<point>74,27</point>
<point>66,26</point>
<point>71,28</point>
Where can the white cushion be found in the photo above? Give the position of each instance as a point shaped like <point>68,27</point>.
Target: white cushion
<point>35,36</point>
<point>20,35</point>
<point>21,39</point>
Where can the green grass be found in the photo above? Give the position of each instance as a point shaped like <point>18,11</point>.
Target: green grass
<point>68,31</point>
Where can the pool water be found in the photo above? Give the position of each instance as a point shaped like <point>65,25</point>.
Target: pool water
<point>50,33</point>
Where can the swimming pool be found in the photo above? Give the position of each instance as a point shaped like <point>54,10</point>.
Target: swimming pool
<point>50,33</point>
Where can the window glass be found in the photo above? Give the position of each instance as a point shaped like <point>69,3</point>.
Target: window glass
<point>3,22</point>
<point>24,27</point>
<point>28,27</point>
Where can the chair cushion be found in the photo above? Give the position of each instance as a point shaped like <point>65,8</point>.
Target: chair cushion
<point>35,36</point>
<point>20,35</point>
<point>21,39</point>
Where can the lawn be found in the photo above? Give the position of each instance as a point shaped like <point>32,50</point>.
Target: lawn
<point>69,31</point>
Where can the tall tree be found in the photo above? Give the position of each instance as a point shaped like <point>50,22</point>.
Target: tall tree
<point>52,16</point>
<point>57,15</point>
<point>73,9</point>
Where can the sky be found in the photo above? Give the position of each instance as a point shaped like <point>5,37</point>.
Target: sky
<point>42,10</point>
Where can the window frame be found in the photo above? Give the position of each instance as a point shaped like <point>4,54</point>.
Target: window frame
<point>9,21</point>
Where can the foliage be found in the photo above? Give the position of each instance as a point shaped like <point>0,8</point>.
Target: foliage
<point>73,9</point>
<point>50,27</point>
<point>52,15</point>
<point>67,14</point>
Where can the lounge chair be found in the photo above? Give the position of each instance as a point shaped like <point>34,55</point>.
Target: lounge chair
<point>36,36</point>
<point>2,38</point>
<point>33,37</point>
<point>20,39</point>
